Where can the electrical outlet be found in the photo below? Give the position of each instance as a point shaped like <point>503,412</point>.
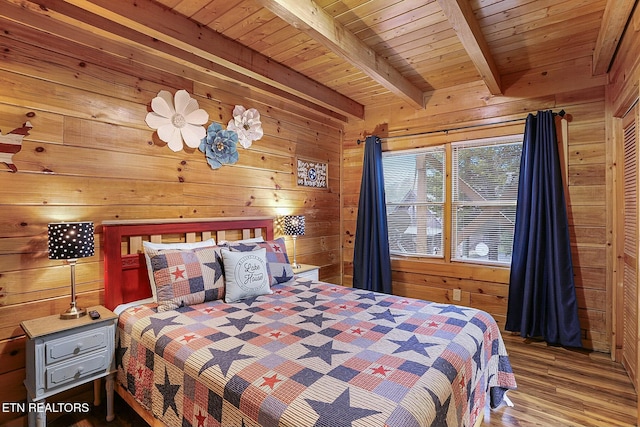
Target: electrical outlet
<point>457,294</point>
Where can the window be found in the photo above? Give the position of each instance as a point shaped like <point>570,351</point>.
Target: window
<point>482,194</point>
<point>414,183</point>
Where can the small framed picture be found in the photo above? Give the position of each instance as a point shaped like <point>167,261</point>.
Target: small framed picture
<point>312,173</point>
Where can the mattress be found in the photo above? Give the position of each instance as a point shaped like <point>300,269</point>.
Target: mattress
<point>313,354</point>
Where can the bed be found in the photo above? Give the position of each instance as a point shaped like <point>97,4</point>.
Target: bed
<point>300,353</point>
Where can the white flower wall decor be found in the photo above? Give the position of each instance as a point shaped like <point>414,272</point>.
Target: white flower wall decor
<point>246,123</point>
<point>175,124</point>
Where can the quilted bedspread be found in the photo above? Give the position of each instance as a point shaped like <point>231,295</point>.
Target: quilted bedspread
<point>313,354</point>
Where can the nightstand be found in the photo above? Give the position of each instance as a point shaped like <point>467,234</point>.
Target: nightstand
<point>62,354</point>
<point>307,271</point>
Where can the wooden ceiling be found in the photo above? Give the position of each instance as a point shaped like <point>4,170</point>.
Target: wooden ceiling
<point>344,55</point>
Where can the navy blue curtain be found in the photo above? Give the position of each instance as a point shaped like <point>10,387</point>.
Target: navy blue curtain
<point>542,296</point>
<point>371,260</point>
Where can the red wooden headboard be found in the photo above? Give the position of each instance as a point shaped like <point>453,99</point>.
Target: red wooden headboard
<point>125,269</point>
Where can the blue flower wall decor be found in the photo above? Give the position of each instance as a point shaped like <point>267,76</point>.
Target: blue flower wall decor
<point>219,146</point>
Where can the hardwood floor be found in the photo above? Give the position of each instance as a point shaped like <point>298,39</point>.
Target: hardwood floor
<point>556,387</point>
<point>561,387</point>
<point>125,417</point>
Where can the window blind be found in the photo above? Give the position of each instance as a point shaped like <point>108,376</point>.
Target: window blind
<point>414,191</point>
<point>485,178</point>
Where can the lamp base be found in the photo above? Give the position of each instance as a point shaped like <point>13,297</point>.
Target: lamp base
<point>73,313</point>
<point>295,266</point>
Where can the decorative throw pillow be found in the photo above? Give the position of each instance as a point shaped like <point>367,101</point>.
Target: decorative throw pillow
<point>187,277</point>
<point>245,274</point>
<point>148,246</point>
<point>280,270</point>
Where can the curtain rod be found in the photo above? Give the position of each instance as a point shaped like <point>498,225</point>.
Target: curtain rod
<point>379,139</point>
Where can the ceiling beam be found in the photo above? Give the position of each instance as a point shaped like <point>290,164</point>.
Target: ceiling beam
<point>614,21</point>
<point>308,17</point>
<point>137,48</point>
<point>464,23</point>
<point>162,29</point>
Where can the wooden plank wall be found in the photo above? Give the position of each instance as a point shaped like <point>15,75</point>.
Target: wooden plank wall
<point>622,92</point>
<point>474,110</point>
<point>90,156</point>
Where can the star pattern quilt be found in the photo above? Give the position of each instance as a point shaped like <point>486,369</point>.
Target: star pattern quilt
<point>313,354</point>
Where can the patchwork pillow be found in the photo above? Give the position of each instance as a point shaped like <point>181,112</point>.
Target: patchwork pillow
<point>246,274</point>
<point>147,246</point>
<point>280,270</point>
<point>187,277</point>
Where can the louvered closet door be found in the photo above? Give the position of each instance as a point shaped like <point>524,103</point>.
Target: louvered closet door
<point>630,269</point>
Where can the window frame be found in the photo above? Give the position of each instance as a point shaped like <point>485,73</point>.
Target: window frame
<point>448,232</point>
<point>422,204</point>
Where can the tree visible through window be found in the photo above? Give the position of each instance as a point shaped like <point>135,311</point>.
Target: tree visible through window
<point>483,192</point>
<point>414,185</point>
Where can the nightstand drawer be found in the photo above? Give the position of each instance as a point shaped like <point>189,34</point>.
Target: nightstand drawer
<point>76,345</point>
<point>64,373</point>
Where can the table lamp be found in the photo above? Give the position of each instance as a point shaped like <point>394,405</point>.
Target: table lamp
<point>70,241</point>
<point>294,226</point>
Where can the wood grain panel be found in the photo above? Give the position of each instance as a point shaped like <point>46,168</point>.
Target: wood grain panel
<point>91,156</point>
<point>591,195</point>
<point>588,256</point>
<point>586,153</point>
<point>19,287</point>
<point>584,215</point>
<point>115,55</point>
<point>586,174</point>
<point>592,278</point>
<point>466,285</point>
<point>67,100</point>
<point>12,391</point>
<point>12,354</point>
<point>46,126</point>
<point>551,79</point>
<point>438,295</point>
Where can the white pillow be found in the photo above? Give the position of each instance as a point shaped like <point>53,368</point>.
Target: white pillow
<point>246,274</point>
<point>258,239</point>
<point>164,246</point>
<point>179,246</point>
